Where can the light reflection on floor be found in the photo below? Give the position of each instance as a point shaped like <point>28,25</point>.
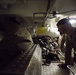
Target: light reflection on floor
<point>53,69</point>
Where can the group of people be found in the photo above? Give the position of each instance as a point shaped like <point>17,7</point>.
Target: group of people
<point>11,27</point>
<point>67,30</point>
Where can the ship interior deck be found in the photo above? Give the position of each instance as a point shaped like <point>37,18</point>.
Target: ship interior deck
<point>54,69</point>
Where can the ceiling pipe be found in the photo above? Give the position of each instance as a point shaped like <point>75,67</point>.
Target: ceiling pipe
<point>54,12</point>
<point>48,6</point>
<point>44,13</point>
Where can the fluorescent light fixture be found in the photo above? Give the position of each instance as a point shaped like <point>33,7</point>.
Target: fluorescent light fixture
<point>72,21</point>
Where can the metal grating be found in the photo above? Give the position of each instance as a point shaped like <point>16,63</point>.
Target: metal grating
<point>53,69</point>
<point>72,68</point>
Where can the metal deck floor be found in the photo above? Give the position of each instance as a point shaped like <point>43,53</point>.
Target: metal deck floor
<point>53,69</point>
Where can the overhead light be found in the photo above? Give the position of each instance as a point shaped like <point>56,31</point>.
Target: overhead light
<point>72,21</point>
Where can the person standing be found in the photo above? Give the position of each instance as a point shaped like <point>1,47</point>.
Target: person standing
<point>65,27</point>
